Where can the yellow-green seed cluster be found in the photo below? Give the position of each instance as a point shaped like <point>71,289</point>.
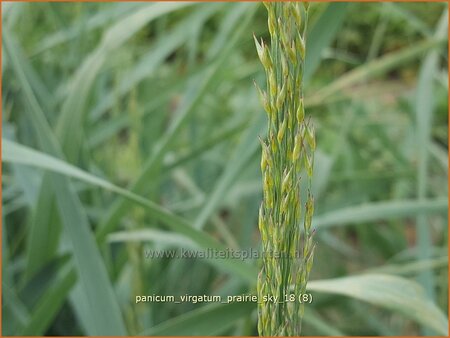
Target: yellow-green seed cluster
<point>287,152</point>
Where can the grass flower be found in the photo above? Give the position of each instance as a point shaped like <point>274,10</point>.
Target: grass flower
<point>288,152</point>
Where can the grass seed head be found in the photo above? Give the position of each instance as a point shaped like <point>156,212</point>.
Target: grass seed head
<point>283,156</point>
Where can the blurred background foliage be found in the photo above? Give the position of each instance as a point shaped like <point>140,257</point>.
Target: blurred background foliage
<point>147,118</point>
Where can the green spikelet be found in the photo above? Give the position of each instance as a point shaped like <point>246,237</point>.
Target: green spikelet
<point>284,221</point>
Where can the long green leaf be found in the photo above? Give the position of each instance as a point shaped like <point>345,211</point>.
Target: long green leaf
<point>425,103</point>
<point>413,267</point>
<point>49,304</point>
<point>322,34</point>
<point>373,68</point>
<point>394,293</point>
<point>45,229</point>
<point>207,321</point>
<point>380,211</point>
<point>246,148</point>
<point>152,235</point>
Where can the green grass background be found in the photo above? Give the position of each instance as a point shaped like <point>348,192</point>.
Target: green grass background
<point>134,126</point>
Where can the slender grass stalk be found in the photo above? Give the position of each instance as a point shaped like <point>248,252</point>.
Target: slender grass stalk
<point>289,149</point>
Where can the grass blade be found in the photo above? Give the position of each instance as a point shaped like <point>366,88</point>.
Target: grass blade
<point>391,292</point>
<point>322,34</point>
<point>373,68</point>
<point>49,304</point>
<point>207,321</point>
<point>96,21</point>
<point>247,147</point>
<point>425,104</point>
<point>379,211</point>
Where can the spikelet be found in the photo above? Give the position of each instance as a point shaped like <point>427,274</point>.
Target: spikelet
<point>288,150</point>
